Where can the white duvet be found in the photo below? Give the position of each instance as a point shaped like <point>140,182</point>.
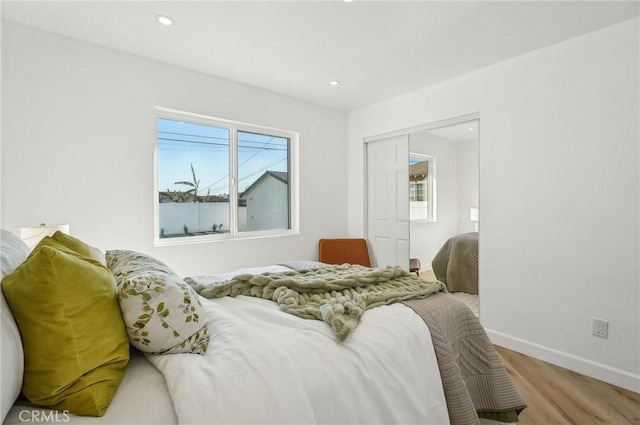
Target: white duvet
<point>264,366</point>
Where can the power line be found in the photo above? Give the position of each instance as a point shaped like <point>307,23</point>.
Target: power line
<point>182,144</point>
<point>261,170</point>
<point>192,135</point>
<point>224,139</point>
<point>258,171</point>
<point>255,153</point>
<point>165,139</point>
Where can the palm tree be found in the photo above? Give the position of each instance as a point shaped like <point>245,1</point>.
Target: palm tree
<point>194,186</point>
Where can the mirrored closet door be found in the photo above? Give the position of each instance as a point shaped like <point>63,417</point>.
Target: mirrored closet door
<point>422,202</point>
<point>443,198</point>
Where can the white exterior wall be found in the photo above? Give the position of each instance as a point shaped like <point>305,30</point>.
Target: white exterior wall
<point>268,205</point>
<point>559,195</point>
<point>80,143</point>
<point>197,216</point>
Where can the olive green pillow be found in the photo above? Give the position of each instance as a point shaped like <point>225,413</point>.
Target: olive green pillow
<point>74,340</point>
<point>80,247</point>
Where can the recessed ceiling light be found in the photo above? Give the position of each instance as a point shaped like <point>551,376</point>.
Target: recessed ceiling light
<point>165,20</point>
<point>471,128</point>
<point>334,82</point>
<point>347,1</point>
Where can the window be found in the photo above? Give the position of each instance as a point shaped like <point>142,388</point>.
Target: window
<point>417,190</point>
<point>218,179</point>
<point>422,187</point>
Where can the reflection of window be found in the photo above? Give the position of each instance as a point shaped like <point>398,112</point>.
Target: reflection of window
<point>422,187</point>
<point>417,191</point>
<point>219,179</point>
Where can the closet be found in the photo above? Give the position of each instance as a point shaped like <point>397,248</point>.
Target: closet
<point>421,189</point>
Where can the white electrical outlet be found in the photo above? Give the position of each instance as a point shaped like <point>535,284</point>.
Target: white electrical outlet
<point>600,328</point>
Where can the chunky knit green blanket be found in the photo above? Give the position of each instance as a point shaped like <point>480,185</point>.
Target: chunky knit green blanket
<point>338,295</point>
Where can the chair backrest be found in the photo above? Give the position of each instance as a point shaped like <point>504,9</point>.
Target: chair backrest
<point>340,251</point>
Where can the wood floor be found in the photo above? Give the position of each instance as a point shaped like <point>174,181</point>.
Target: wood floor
<point>559,396</point>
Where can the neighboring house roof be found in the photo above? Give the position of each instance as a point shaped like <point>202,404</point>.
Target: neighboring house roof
<point>281,176</point>
<point>418,171</point>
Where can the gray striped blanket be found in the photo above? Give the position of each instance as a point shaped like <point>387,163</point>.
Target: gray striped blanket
<point>474,380</point>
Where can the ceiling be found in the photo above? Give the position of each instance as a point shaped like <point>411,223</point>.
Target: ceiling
<point>376,49</point>
<point>458,132</point>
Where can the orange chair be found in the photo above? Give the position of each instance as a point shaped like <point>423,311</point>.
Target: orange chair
<point>340,251</point>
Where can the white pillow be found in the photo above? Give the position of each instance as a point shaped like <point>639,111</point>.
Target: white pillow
<point>162,314</point>
<point>13,252</point>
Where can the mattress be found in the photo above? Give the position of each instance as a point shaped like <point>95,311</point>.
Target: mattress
<point>141,399</point>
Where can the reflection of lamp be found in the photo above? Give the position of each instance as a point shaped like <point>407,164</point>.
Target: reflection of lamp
<point>473,213</point>
<point>31,235</point>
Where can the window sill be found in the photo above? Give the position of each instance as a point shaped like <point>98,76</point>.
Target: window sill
<point>191,240</point>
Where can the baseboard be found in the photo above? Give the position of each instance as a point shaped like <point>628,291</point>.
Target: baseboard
<point>581,365</point>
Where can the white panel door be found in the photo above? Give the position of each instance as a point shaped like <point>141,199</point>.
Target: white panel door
<point>388,201</point>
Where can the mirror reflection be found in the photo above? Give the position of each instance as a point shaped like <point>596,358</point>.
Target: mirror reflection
<point>444,209</point>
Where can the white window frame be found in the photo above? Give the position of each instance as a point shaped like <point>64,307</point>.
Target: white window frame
<point>233,127</point>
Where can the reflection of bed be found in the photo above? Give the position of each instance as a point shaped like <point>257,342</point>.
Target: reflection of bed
<point>266,366</point>
<point>456,264</point>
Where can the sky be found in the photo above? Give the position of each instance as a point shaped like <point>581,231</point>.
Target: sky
<point>207,148</point>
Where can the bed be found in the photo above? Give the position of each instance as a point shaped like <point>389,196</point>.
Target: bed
<point>456,263</point>
<point>243,359</point>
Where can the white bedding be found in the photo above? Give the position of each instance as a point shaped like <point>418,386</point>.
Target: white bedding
<point>264,366</point>
<point>141,399</point>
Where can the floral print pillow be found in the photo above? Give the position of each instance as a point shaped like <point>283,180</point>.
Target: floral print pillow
<point>162,314</point>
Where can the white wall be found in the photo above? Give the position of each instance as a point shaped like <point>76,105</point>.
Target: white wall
<point>79,138</point>
<point>425,239</point>
<point>1,173</point>
<point>468,184</point>
<point>559,195</point>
